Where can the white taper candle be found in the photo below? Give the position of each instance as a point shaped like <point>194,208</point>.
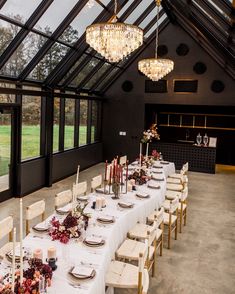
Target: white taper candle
<point>21,242</point>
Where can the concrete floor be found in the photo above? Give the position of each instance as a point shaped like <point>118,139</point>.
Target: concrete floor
<point>202,260</point>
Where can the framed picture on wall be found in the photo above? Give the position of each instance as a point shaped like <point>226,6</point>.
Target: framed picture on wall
<point>212,142</point>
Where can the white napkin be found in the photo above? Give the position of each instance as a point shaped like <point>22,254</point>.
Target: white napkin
<point>152,184</point>
<point>17,252</point>
<point>125,203</point>
<point>93,239</point>
<point>135,162</point>
<point>159,178</point>
<point>65,208</point>
<point>142,194</point>
<point>42,226</point>
<point>82,271</point>
<point>106,218</point>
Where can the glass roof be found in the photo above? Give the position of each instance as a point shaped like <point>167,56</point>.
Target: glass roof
<point>19,10</point>
<point>61,58</point>
<point>54,15</point>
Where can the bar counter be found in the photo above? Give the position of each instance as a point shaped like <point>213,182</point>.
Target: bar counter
<point>200,158</point>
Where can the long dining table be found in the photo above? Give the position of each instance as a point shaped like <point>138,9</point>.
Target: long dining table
<point>76,253</point>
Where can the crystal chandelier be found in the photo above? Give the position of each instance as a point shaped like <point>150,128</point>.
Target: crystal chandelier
<point>114,40</point>
<point>156,68</point>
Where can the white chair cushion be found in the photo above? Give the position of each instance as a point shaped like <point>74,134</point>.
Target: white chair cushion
<point>79,189</point>
<point>166,205</point>
<point>35,209</point>
<point>125,275</point>
<point>174,187</point>
<point>96,182</point>
<point>130,249</point>
<point>63,198</point>
<point>6,226</point>
<point>123,160</point>
<point>158,234</point>
<point>173,181</point>
<point>172,194</point>
<point>140,231</point>
<point>167,217</point>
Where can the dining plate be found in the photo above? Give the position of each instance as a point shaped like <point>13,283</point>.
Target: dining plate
<point>153,186</point>
<point>142,195</point>
<point>82,276</point>
<point>125,205</point>
<point>164,162</point>
<point>93,244</point>
<point>62,212</point>
<point>105,220</point>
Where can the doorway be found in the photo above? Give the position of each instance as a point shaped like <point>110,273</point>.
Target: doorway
<point>9,139</point>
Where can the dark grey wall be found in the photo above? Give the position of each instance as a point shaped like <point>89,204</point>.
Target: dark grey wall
<point>125,111</point>
<point>64,164</point>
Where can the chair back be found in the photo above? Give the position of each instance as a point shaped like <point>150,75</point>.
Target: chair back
<point>63,198</point>
<point>96,182</point>
<point>79,189</point>
<point>141,262</point>
<point>174,204</point>
<point>160,217</point>
<point>184,194</point>
<point>6,227</point>
<point>34,210</point>
<point>123,160</point>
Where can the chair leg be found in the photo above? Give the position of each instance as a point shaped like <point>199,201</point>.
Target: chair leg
<point>185,216</point>
<point>176,229</point>
<point>169,236</point>
<point>181,220</point>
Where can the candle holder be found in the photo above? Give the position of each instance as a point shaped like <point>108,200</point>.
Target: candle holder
<point>106,183</point>
<point>116,190</point>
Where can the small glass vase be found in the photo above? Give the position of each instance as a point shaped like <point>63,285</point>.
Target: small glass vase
<point>116,190</point>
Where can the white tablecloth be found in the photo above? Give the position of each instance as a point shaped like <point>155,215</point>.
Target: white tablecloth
<point>114,234</point>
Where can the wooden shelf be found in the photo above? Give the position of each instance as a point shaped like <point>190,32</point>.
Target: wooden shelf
<point>198,114</point>
<point>196,127</point>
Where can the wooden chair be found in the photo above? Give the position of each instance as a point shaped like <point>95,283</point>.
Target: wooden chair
<point>128,276</point>
<point>182,209</point>
<point>96,182</point>
<point>182,172</point>
<point>123,160</point>
<point>183,180</point>
<point>34,210</point>
<point>171,219</point>
<point>6,229</point>
<point>79,189</point>
<point>63,198</point>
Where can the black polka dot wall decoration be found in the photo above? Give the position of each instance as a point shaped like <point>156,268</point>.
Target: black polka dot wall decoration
<point>182,49</point>
<point>200,68</point>
<point>217,86</point>
<point>127,86</point>
<point>162,50</point>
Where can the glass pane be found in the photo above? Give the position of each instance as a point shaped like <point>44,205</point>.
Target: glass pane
<point>7,98</point>
<point>73,68</point>
<point>23,54</point>
<point>148,18</point>
<point>106,79</point>
<point>54,15</point>
<point>153,28</point>
<point>19,10</point>
<point>7,31</point>
<point>49,62</point>
<point>5,150</point>
<point>83,122</point>
<point>78,25</point>
<point>97,75</point>
<point>120,13</point>
<point>94,121</point>
<point>56,124</point>
<point>85,71</point>
<point>220,10</point>
<point>138,11</point>
<point>31,126</point>
<point>69,123</point>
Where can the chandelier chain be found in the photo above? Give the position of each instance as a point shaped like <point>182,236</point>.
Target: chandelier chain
<point>157,32</point>
<point>115,7</point>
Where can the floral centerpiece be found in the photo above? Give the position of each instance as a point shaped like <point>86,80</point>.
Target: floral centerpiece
<point>71,226</point>
<point>156,155</point>
<point>37,270</point>
<point>150,134</point>
<point>140,176</point>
